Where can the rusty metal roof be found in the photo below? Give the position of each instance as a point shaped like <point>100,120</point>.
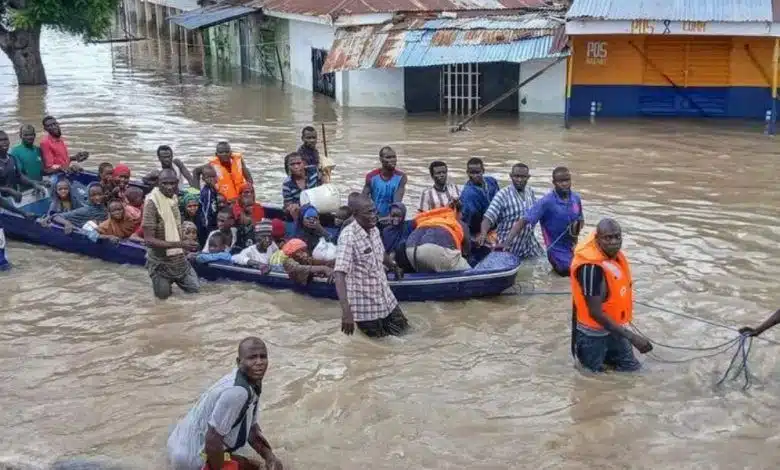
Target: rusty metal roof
<point>742,11</point>
<point>421,43</point>
<point>335,8</point>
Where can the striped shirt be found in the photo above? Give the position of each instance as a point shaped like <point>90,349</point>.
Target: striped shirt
<point>291,193</point>
<point>432,198</point>
<point>508,207</point>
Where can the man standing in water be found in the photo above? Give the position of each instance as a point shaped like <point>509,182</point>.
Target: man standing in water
<point>165,257</point>
<point>361,282</point>
<point>385,185</point>
<point>225,418</point>
<point>560,214</point>
<point>442,194</point>
<point>11,178</point>
<point>167,162</point>
<point>603,303</point>
<point>54,150</point>
<point>508,207</point>
<point>27,154</point>
<point>308,150</point>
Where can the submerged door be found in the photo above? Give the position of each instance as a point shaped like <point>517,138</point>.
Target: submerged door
<point>323,83</point>
<point>688,77</point>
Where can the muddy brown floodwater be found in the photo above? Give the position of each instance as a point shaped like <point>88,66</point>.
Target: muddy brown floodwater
<point>91,364</point>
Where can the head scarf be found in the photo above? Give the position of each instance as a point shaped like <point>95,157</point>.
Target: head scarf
<point>293,245</point>
<point>121,170</point>
<point>278,229</point>
<point>307,235</point>
<point>121,228</point>
<point>394,235</point>
<point>56,203</point>
<point>186,196</point>
<point>264,228</point>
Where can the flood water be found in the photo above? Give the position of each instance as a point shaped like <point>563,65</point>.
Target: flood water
<point>91,364</point>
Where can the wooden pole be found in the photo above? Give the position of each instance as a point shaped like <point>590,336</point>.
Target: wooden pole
<point>461,125</point>
<point>326,171</point>
<point>775,59</point>
<point>569,67</point>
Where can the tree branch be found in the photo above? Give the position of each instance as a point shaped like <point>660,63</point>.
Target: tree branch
<point>17,4</point>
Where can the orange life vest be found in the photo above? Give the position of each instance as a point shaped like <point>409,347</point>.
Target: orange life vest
<point>229,183</point>
<point>443,217</point>
<point>619,304</point>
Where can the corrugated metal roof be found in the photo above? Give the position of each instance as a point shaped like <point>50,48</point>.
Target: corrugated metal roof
<point>742,11</point>
<point>337,8</point>
<point>441,42</point>
<point>211,15</point>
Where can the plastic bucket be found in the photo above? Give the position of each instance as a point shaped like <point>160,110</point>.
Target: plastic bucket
<point>325,198</point>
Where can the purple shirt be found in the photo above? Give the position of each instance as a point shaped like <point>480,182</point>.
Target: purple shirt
<point>555,216</point>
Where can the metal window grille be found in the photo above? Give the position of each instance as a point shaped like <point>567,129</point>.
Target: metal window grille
<point>459,84</point>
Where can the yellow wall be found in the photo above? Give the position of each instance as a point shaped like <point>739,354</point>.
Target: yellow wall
<point>688,61</point>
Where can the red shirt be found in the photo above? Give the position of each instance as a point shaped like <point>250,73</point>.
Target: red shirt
<point>54,152</point>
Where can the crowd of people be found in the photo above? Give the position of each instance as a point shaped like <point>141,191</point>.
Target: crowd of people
<point>211,214</point>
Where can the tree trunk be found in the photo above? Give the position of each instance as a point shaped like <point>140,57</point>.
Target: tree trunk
<point>23,48</point>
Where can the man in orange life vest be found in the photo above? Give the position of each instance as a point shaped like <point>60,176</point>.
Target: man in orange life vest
<point>603,298</point>
<point>231,169</point>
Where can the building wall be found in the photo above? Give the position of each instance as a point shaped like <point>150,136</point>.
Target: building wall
<point>376,88</point>
<point>547,93</point>
<point>714,76</point>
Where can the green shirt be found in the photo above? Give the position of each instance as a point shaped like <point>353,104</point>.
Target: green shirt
<point>28,160</point>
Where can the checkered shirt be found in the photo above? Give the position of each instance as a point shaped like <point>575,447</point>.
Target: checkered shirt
<point>360,257</point>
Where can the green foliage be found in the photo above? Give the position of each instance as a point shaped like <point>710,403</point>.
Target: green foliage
<point>87,18</point>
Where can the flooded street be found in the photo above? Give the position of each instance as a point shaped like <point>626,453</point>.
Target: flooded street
<point>91,364</point>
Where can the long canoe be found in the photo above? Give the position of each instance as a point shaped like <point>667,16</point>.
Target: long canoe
<point>493,276</point>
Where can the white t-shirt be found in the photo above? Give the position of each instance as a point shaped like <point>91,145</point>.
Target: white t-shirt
<point>219,407</point>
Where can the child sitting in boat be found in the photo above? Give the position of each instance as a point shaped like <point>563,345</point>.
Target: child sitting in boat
<point>259,254</point>
<point>63,200</point>
<point>216,250</point>
<point>120,223</point>
<point>300,266</point>
<point>94,210</point>
<point>225,226</point>
<point>135,202</point>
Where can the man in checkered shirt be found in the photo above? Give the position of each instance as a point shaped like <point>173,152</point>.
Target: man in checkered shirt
<point>361,281</point>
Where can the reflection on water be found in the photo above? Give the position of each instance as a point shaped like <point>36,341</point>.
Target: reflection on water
<point>91,364</point>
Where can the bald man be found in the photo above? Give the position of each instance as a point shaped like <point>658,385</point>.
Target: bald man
<point>603,303</point>
<point>225,417</point>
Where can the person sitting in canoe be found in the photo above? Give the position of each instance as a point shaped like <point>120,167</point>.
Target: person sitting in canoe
<point>226,226</point>
<point>106,176</point>
<point>439,243</point>
<point>300,266</point>
<point>94,210</point>
<point>231,172</point>
<point>189,205</point>
<point>120,224</point>
<point>135,201</point>
<point>63,199</point>
<point>121,178</point>
<point>319,241</point>
<point>168,162</point>
<point>395,234</point>
<point>299,178</point>
<point>386,184</point>
<point>247,213</point>
<point>259,254</point>
<point>215,250</point>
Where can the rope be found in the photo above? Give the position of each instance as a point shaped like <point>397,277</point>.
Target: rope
<point>741,365</point>
<point>685,348</point>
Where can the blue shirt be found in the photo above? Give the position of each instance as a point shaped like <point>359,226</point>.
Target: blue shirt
<point>382,190</point>
<point>555,216</point>
<point>475,201</point>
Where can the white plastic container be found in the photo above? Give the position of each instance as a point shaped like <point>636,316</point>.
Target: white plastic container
<point>325,198</point>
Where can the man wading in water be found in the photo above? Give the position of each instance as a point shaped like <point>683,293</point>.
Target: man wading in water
<point>225,418</point>
<point>165,257</point>
<point>361,282</point>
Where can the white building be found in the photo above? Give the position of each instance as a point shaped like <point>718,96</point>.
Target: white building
<point>454,59</point>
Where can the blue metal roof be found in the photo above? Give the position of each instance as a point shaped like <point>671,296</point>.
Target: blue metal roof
<point>423,53</point>
<point>211,15</point>
<point>674,10</point>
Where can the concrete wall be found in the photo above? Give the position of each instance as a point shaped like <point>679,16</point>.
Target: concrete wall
<point>303,37</point>
<point>378,88</point>
<point>547,93</point>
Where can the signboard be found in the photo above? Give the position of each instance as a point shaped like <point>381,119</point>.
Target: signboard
<point>596,53</point>
<point>668,27</point>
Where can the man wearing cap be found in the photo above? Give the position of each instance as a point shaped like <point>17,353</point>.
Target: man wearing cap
<point>257,255</point>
